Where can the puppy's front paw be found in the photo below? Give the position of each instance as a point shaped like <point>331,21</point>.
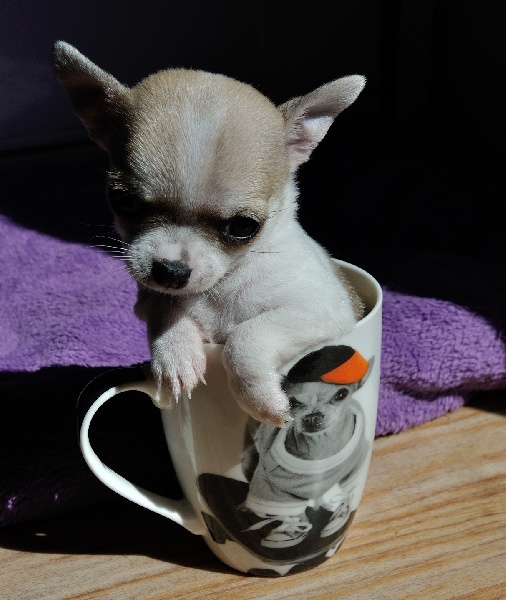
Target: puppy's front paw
<point>176,368</point>
<point>264,400</point>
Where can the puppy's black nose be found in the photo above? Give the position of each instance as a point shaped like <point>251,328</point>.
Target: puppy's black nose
<point>170,273</point>
<point>313,422</point>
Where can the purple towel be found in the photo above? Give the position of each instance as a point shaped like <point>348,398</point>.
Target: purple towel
<point>66,306</point>
<point>63,304</point>
<point>435,354</point>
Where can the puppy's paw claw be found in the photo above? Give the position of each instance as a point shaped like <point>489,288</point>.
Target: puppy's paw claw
<point>177,372</point>
<point>276,419</point>
<point>266,403</point>
<point>164,398</point>
<point>287,418</point>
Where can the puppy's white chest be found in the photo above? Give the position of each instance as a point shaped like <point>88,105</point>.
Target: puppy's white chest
<point>220,314</point>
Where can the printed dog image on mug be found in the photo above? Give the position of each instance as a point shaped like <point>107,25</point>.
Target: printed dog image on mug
<point>301,478</point>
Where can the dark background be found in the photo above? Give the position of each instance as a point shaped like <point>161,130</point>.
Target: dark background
<point>408,184</point>
<point>416,164</point>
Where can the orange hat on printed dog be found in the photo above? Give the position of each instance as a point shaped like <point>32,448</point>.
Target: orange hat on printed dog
<point>339,365</point>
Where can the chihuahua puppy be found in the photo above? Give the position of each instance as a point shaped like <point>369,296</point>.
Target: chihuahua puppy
<point>202,186</point>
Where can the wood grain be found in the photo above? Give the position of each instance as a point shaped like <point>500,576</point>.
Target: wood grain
<point>431,526</point>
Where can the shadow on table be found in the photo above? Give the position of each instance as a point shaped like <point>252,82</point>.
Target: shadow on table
<point>493,401</point>
<point>121,528</point>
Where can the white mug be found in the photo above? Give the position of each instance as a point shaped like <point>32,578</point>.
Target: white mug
<point>267,500</point>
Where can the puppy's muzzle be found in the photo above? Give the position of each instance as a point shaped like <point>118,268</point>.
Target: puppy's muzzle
<point>313,422</point>
<point>170,273</point>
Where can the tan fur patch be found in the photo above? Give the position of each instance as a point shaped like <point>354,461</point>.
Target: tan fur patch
<point>199,139</point>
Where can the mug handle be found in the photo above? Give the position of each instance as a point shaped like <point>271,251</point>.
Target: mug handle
<point>179,511</point>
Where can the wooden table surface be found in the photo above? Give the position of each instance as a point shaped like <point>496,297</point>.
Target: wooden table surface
<point>431,525</point>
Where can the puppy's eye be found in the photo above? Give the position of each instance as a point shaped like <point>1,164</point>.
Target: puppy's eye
<point>294,403</point>
<point>341,394</point>
<point>240,229</point>
<point>126,204</point>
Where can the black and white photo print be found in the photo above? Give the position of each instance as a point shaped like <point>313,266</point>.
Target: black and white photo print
<point>298,499</point>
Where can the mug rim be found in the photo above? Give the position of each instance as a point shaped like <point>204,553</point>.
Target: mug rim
<point>377,300</point>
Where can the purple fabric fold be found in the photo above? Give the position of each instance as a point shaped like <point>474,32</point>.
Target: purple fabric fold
<point>435,355</point>
<point>64,304</point>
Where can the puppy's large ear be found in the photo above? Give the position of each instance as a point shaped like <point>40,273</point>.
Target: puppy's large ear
<point>309,117</point>
<point>97,97</point>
